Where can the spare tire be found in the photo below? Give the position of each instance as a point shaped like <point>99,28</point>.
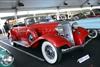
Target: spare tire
<point>92,33</point>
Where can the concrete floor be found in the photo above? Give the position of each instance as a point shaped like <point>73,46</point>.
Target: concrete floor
<point>29,57</point>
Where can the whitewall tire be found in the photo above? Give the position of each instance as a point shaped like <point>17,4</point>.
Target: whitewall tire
<point>50,52</point>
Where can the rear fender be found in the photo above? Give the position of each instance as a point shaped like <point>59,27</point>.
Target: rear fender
<point>13,34</point>
<point>56,40</point>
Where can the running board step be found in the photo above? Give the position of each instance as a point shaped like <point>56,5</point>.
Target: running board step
<point>22,43</point>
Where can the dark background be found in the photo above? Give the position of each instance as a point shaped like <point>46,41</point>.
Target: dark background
<point>68,60</point>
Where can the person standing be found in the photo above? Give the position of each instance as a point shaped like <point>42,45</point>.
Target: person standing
<point>6,26</point>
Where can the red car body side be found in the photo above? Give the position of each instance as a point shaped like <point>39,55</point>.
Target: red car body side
<point>54,38</point>
<point>45,31</point>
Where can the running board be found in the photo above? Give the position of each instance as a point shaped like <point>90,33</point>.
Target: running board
<point>22,43</point>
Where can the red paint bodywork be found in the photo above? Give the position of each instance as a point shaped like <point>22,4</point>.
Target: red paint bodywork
<point>80,35</point>
<point>46,31</point>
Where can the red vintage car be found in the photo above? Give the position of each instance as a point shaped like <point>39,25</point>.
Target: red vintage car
<point>55,38</point>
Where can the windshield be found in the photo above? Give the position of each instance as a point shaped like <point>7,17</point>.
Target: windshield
<point>29,21</point>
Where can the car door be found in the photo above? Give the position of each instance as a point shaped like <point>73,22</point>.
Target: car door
<point>22,29</point>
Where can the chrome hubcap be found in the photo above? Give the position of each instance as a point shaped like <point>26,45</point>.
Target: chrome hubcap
<point>49,52</point>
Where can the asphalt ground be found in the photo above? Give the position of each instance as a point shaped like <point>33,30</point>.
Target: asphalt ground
<point>32,57</point>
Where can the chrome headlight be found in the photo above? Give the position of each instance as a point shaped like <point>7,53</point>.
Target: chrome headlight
<point>7,60</point>
<point>59,29</point>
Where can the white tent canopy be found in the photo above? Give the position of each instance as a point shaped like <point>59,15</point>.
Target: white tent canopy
<point>10,5</point>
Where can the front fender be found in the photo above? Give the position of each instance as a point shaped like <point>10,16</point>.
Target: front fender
<point>56,40</point>
<point>80,35</point>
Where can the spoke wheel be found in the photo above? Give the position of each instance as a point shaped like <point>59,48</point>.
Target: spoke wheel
<point>30,38</point>
<point>50,53</point>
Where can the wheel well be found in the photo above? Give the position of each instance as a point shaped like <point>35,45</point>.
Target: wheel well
<point>40,43</point>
